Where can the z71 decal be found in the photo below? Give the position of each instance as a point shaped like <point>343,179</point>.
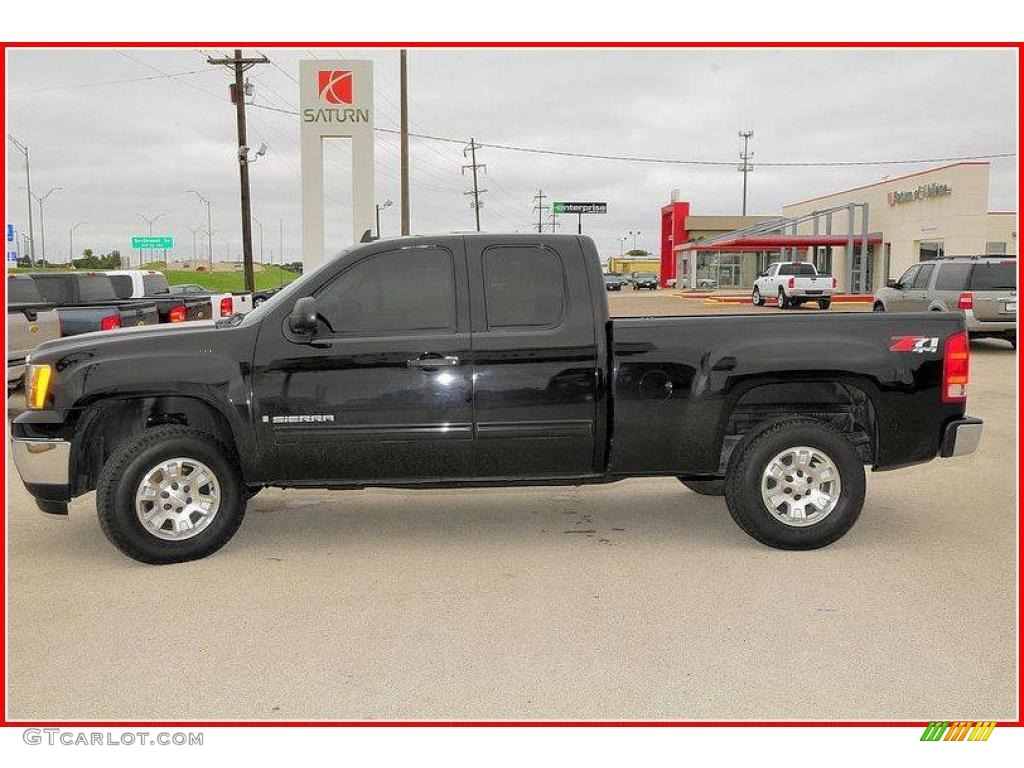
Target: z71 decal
<point>920,344</point>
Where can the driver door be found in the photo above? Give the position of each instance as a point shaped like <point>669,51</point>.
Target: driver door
<point>383,389</point>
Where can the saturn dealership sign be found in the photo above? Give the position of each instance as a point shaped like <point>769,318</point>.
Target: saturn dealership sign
<point>923,192</point>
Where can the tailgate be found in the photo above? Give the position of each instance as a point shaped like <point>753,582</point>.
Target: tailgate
<point>144,314</point>
<point>995,306</point>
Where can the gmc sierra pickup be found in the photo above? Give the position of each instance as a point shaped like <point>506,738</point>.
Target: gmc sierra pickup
<point>468,360</point>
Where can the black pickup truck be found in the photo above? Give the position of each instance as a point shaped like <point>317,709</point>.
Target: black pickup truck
<point>87,301</point>
<point>471,360</point>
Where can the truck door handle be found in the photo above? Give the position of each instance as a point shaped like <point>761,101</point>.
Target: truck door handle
<point>429,362</point>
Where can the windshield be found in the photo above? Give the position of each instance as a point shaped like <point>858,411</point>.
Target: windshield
<point>286,295</point>
<point>644,275</point>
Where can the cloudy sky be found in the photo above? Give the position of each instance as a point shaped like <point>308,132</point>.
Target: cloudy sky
<point>118,149</point>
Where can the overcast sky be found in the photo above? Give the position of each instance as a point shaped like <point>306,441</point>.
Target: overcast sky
<point>137,147</point>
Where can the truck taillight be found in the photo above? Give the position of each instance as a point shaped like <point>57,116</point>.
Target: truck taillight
<point>956,363</point>
<point>835,282</point>
<point>178,315</point>
<point>792,282</point>
<point>227,306</point>
<point>966,301</point>
<point>110,322</point>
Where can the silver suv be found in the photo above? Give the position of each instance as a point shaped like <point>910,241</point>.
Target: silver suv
<point>984,288</point>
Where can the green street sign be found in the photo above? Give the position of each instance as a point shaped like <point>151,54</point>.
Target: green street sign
<point>579,207</point>
<point>154,243</point>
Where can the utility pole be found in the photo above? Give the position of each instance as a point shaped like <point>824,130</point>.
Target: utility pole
<point>540,208</point>
<point>280,250</point>
<point>403,88</point>
<point>240,64</point>
<point>554,222</point>
<point>28,186</point>
<point>209,225</point>
<point>475,205</point>
<point>745,165</point>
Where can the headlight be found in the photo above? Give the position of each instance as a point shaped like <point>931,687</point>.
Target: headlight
<point>37,385</point>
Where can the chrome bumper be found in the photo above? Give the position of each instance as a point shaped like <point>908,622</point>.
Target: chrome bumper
<point>42,462</point>
<point>961,437</point>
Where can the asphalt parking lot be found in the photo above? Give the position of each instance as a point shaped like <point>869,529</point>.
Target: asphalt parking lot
<point>633,600</point>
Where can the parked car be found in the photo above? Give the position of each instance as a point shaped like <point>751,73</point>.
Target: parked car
<point>30,321</point>
<point>152,285</point>
<point>613,282</point>
<point>791,283</point>
<point>484,360</point>
<point>261,296</point>
<point>645,280</point>
<point>984,288</point>
<point>221,304</point>
<point>86,302</point>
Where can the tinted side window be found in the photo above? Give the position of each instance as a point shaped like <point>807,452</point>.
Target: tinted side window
<point>953,276</point>
<point>907,278</point>
<point>523,286</point>
<point>923,276</point>
<point>154,284</point>
<point>122,286</point>
<point>404,291</point>
<point>54,289</point>
<point>994,276</point>
<point>22,290</point>
<point>95,288</point>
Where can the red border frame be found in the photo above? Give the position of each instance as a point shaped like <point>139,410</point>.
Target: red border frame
<point>4,722</point>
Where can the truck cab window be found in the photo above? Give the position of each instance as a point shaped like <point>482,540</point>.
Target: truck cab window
<point>523,286</point>
<point>403,291</point>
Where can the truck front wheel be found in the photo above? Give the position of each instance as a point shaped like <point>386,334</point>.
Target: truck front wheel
<point>169,495</point>
<point>795,484</point>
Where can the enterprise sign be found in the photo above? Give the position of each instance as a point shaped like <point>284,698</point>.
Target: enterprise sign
<point>923,192</point>
<point>579,208</point>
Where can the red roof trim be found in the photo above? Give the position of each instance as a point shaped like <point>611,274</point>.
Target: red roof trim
<point>884,181</point>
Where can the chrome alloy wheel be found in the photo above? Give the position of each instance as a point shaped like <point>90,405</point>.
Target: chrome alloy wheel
<point>177,499</point>
<point>801,486</point>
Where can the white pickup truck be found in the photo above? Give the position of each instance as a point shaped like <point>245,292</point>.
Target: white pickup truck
<point>791,283</point>
<point>148,283</point>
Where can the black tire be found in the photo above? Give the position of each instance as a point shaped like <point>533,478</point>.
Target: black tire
<point>756,298</point>
<point>1012,339</point>
<point>124,471</point>
<point>744,474</point>
<point>782,301</point>
<point>796,302</point>
<point>879,307</point>
<point>705,487</point>
<point>824,304</point>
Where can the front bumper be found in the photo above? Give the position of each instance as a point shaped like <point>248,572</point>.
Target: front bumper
<point>961,437</point>
<point>44,466</point>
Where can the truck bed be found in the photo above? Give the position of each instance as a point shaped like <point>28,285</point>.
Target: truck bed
<point>682,384</point>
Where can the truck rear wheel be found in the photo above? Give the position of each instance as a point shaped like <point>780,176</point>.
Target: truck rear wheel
<point>705,487</point>
<point>170,495</point>
<point>795,484</point>
<point>781,301</point>
<point>824,303</point>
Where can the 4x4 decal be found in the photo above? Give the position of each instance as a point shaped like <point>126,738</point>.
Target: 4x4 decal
<point>920,344</point>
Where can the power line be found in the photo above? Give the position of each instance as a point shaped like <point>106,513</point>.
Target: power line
<point>110,82</point>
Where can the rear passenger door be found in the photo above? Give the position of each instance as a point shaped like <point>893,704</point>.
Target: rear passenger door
<point>915,297</point>
<point>535,374</point>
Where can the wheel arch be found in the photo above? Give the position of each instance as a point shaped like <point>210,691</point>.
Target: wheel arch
<point>847,405</point>
<point>107,423</point>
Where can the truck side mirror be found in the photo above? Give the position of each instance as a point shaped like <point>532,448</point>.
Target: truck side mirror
<point>303,317</point>
<point>892,284</point>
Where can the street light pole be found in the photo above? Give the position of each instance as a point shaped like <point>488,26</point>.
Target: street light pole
<point>71,240</point>
<point>379,207</point>
<point>209,226</point>
<point>194,231</point>
<point>151,222</point>
<point>28,186</point>
<point>42,226</point>
<point>260,225</point>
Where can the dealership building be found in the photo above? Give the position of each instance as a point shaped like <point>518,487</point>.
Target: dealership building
<point>864,235</point>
